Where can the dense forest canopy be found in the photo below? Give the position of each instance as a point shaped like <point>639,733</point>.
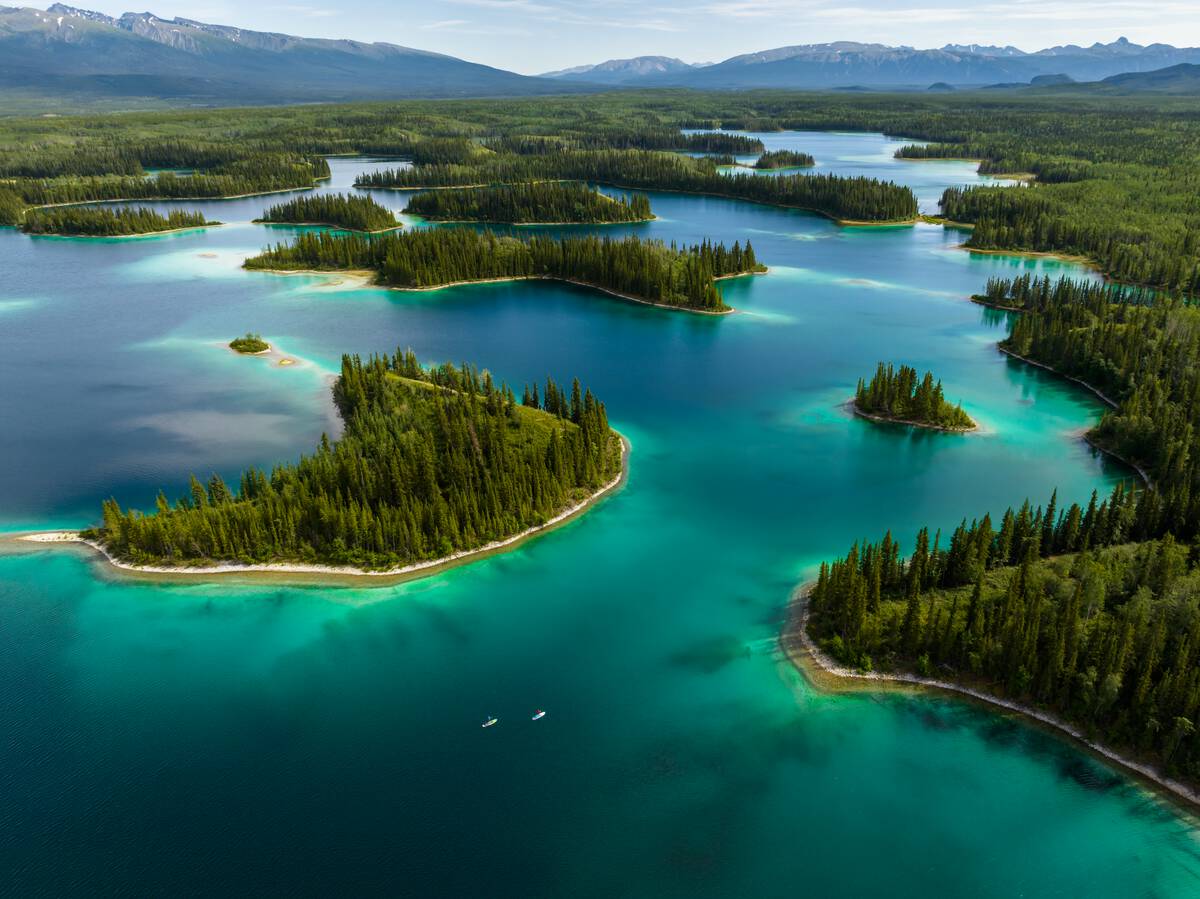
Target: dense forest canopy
<point>1116,177</point>
<point>641,269</point>
<point>431,462</point>
<point>900,395</point>
<point>846,198</point>
<point>89,221</point>
<point>535,202</point>
<point>1056,612</point>
<point>353,213</point>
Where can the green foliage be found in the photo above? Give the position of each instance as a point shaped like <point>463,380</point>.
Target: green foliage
<point>1106,637</point>
<point>251,343</point>
<point>549,202</point>
<point>1115,177</point>
<point>91,221</point>
<point>1140,350</point>
<point>11,207</point>
<point>431,463</point>
<point>352,213</point>
<point>899,395</point>
<point>784,159</point>
<point>850,198</point>
<point>646,270</point>
<point>260,173</point>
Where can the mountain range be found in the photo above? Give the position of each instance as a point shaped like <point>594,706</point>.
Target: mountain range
<point>68,50</point>
<point>849,64</point>
<point>64,55</point>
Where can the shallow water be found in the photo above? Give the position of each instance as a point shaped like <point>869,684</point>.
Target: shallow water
<point>173,739</point>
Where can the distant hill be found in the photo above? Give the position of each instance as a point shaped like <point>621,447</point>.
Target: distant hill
<point>623,71</point>
<point>1181,79</point>
<point>84,53</point>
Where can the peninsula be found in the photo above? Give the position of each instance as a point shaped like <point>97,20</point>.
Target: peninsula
<point>901,397</point>
<point>91,221</point>
<point>434,466</point>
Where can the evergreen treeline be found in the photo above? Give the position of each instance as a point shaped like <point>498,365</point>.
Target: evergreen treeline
<point>430,463</point>
<point>256,174</point>
<point>646,270</point>
<point>353,213</point>
<point>92,221</point>
<point>900,395</point>
<point>1115,176</point>
<point>847,198</point>
<point>11,207</point>
<point>1107,636</point>
<point>1084,218</point>
<point>1140,350</point>
<point>547,202</point>
<point>784,159</point>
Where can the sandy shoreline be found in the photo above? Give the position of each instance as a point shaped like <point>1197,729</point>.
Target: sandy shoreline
<point>826,674</point>
<point>136,236</point>
<point>405,572</point>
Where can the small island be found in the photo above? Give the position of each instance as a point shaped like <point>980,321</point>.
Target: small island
<point>350,213</point>
<point>98,221</point>
<point>250,345</point>
<point>434,465</point>
<point>898,396</point>
<point>536,203</point>
<point>644,271</point>
<point>784,159</point>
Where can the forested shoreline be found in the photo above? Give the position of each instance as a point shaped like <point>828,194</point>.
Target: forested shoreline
<point>842,198</point>
<point>899,395</point>
<point>431,463</point>
<point>530,203</point>
<point>87,221</point>
<point>1113,176</point>
<point>352,213</point>
<point>1092,613</point>
<point>648,271</point>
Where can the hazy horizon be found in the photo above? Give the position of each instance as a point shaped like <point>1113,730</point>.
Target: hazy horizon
<point>534,36</point>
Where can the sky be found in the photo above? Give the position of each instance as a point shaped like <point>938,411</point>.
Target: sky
<point>533,36</point>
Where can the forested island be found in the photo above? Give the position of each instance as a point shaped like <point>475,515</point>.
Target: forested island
<point>901,396</point>
<point>432,463</point>
<point>784,159</point>
<point>556,203</point>
<point>90,221</point>
<point>849,199</point>
<point>249,344</point>
<point>642,270</point>
<point>1092,614</point>
<point>350,213</point>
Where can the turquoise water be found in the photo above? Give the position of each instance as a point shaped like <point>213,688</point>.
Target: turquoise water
<point>176,739</point>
